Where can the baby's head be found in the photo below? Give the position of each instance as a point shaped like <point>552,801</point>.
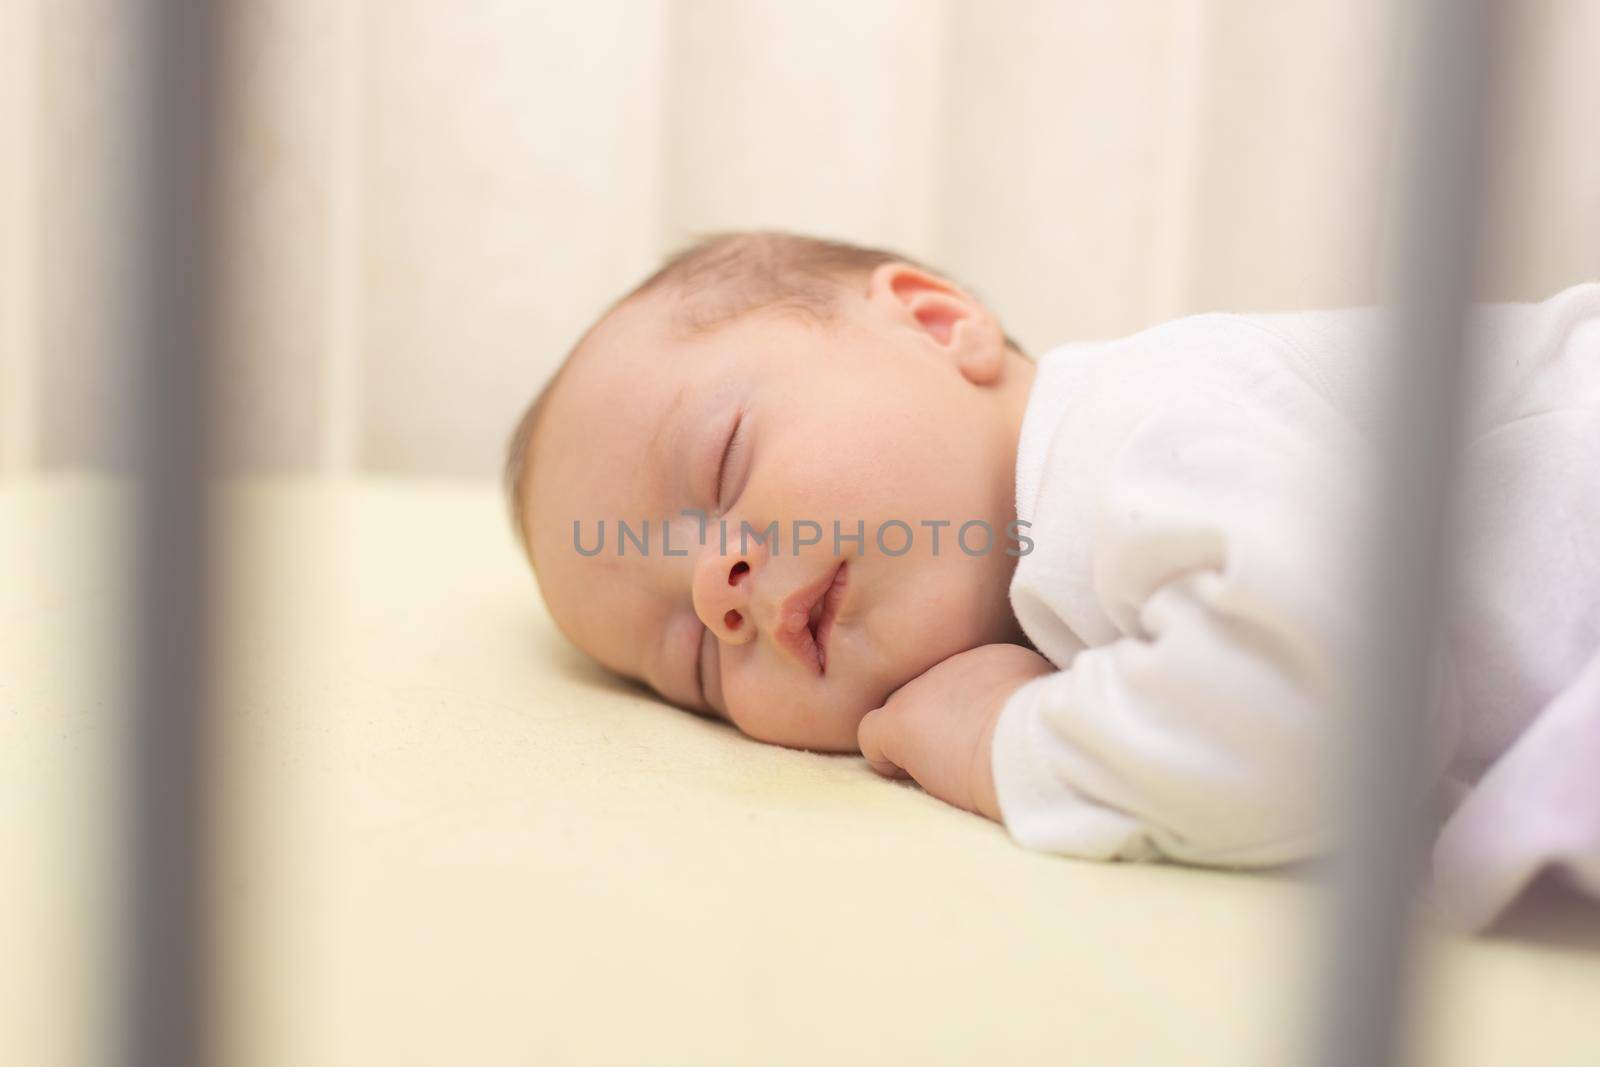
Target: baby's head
<point>745,413</point>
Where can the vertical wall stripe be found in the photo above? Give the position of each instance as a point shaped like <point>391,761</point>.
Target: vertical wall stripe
<point>1385,221</point>
<point>339,422</point>
<point>19,341</point>
<point>939,199</point>
<point>817,117</point>
<point>1181,139</point>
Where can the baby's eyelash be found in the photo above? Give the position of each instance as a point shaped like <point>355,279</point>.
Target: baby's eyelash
<point>722,465</point>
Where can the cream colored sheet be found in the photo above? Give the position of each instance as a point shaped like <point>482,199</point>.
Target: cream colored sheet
<point>445,838</point>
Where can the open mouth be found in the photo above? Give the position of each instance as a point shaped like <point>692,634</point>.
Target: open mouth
<point>823,612</point>
<point>807,617</point>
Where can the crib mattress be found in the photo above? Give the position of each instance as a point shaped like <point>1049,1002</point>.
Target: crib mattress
<point>441,836</point>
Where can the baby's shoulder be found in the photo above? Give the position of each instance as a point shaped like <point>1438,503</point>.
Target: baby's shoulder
<point>1286,364</point>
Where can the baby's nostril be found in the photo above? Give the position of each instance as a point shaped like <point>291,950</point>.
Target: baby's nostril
<point>739,570</point>
<point>733,620</point>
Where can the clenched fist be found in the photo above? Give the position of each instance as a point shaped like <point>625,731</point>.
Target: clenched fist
<point>938,728</point>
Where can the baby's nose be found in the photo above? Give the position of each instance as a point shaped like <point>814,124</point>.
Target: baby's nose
<point>722,598</point>
<point>737,574</point>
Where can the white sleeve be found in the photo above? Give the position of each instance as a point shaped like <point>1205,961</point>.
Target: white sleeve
<point>1221,539</point>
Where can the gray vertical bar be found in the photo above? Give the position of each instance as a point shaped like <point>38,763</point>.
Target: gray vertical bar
<point>170,262</point>
<point>1365,996</point>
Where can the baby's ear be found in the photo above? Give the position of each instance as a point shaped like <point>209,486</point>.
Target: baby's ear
<point>945,316</point>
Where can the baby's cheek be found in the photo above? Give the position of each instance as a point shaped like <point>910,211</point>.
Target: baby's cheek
<point>750,693</point>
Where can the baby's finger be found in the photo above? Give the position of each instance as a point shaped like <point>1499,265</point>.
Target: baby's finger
<point>874,736</point>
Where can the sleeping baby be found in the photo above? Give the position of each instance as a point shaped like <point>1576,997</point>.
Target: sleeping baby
<point>1102,597</point>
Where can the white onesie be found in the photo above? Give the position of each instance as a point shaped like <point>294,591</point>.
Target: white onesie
<point>1196,494</point>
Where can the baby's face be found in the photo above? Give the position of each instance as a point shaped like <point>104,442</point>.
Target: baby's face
<point>871,422</point>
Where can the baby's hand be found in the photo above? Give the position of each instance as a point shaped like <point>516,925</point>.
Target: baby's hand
<point>939,727</point>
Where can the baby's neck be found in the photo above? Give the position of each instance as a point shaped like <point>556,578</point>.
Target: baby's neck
<point>1015,389</point>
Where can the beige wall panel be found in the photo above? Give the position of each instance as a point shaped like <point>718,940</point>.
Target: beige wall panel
<point>1297,104</point>
<point>1544,195</point>
<point>430,201</point>
<point>509,191</point>
<point>84,148</point>
<point>19,243</point>
<point>1055,153</point>
<point>820,117</point>
<point>281,146</point>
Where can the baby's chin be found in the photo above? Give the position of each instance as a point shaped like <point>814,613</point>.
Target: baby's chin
<point>818,726</point>
<point>826,719</point>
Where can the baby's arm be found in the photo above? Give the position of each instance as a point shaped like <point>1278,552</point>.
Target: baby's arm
<point>1197,730</point>
<point>938,728</point>
<point>1202,739</point>
<point>1193,741</point>
<point>1192,744</point>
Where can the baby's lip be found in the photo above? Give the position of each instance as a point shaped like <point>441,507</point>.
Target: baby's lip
<point>806,617</point>
<point>825,613</point>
